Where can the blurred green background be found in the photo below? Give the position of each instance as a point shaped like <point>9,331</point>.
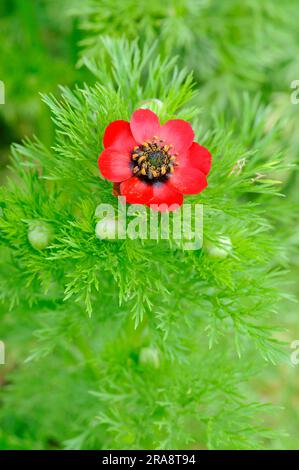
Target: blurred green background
<point>39,49</point>
<point>238,49</point>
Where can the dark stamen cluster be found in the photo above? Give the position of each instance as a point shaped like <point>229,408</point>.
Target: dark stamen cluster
<point>152,160</point>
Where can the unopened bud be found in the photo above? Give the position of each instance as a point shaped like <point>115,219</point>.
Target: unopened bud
<point>40,234</point>
<point>153,104</point>
<point>150,357</point>
<point>221,250</point>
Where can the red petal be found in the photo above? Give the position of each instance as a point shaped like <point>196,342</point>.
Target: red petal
<point>188,180</point>
<point>179,133</point>
<point>165,198</point>
<point>115,166</point>
<point>118,136</point>
<point>144,125</point>
<point>136,191</point>
<point>196,157</point>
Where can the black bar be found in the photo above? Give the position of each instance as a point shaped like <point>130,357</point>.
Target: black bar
<point>137,459</point>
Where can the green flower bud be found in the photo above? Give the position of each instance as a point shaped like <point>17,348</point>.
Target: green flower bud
<point>221,250</point>
<point>153,104</point>
<point>149,357</point>
<point>40,234</point>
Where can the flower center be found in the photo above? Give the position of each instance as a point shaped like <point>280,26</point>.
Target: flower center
<point>152,160</point>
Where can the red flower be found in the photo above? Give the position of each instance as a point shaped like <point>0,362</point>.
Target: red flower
<point>154,164</point>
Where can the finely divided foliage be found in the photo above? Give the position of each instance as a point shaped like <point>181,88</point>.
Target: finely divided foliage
<point>130,320</point>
